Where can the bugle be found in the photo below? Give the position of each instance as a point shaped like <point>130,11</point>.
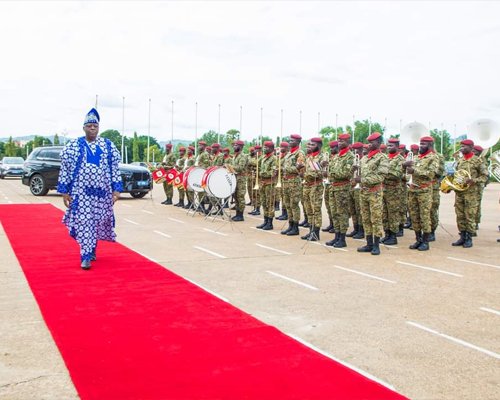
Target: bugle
<point>357,172</point>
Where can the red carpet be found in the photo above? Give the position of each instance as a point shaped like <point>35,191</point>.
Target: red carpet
<point>130,329</point>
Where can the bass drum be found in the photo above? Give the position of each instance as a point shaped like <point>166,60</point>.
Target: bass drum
<point>192,179</point>
<point>218,182</point>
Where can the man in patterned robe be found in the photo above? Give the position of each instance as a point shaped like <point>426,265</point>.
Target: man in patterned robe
<point>90,183</point>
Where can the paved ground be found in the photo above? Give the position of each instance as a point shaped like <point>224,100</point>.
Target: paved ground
<point>427,324</point>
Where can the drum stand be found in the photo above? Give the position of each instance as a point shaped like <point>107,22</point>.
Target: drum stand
<point>196,204</point>
<point>218,208</point>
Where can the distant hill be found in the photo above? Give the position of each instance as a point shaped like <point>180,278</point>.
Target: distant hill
<point>27,138</point>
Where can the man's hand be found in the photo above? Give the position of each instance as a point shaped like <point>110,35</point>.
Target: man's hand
<point>116,196</point>
<point>66,199</point>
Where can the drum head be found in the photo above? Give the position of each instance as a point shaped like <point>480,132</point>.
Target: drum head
<point>194,179</point>
<point>221,183</point>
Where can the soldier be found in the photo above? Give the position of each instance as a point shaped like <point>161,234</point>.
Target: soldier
<point>354,205</point>
<point>383,148</point>
<point>284,149</point>
<point>217,156</point>
<point>240,161</point>
<point>414,151</point>
<point>436,196</point>
<point>340,172</point>
<point>334,150</point>
<point>267,173</point>
<point>466,202</point>
<point>423,170</point>
<point>404,195</point>
<point>478,151</point>
<point>312,192</point>
<point>226,157</point>
<point>168,163</point>
<point>392,193</point>
<point>190,160</point>
<point>254,193</point>
<point>179,166</point>
<point>373,169</point>
<point>203,161</point>
<point>292,185</point>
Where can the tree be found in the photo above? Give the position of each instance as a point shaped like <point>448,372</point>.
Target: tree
<point>114,136</point>
<point>447,143</point>
<point>56,140</point>
<point>135,148</point>
<point>209,137</point>
<point>231,136</point>
<point>362,130</point>
<point>10,148</point>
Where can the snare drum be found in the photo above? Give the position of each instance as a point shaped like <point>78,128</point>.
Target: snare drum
<point>193,177</point>
<point>160,175</point>
<point>218,182</point>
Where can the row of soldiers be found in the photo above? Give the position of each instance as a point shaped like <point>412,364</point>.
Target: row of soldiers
<point>373,186</point>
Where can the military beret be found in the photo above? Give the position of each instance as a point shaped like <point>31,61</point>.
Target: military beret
<point>316,140</point>
<point>284,144</point>
<point>296,136</point>
<point>225,149</point>
<point>357,145</point>
<point>467,142</point>
<point>202,142</point>
<point>240,142</point>
<point>374,136</point>
<point>191,148</point>
<point>168,146</point>
<point>333,143</point>
<point>215,145</point>
<point>365,146</point>
<point>383,146</point>
<point>393,140</point>
<point>208,147</point>
<point>258,147</point>
<point>182,148</point>
<point>414,147</point>
<point>344,136</point>
<point>478,148</point>
<point>402,146</point>
<point>427,139</point>
<point>251,148</point>
<point>268,143</point>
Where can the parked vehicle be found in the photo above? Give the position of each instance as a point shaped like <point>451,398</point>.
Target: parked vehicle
<point>11,166</point>
<point>41,171</point>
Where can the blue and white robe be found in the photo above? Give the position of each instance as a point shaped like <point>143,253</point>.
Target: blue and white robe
<point>90,175</point>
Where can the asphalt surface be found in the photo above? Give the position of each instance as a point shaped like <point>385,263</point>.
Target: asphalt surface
<point>425,323</point>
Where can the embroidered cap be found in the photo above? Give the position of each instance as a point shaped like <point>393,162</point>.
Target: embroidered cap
<point>92,117</point>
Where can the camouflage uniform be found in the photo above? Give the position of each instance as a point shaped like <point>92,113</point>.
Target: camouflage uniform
<point>328,196</point>
<point>267,169</point>
<point>393,193</point>
<point>218,160</point>
<point>372,171</point>
<point>240,161</point>
<point>180,167</point>
<point>436,194</point>
<point>203,161</point>
<point>292,183</point>
<point>340,183</point>
<point>425,167</point>
<point>466,202</point>
<point>312,191</point>
<point>190,160</point>
<point>252,170</point>
<point>480,193</point>
<point>168,163</point>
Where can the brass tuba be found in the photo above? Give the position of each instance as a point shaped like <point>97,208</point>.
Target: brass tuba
<point>456,182</point>
<point>494,166</point>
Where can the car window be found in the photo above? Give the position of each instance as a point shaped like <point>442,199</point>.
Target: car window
<point>13,160</point>
<point>49,155</point>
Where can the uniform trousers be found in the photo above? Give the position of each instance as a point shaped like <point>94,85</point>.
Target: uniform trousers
<point>371,204</point>
<point>312,199</point>
<point>419,205</point>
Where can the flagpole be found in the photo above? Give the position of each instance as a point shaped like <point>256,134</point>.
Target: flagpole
<point>261,118</point>
<point>454,137</point>
<point>96,100</point>
<point>353,128</point>
<point>336,126</point>
<point>218,130</point>
<point>123,128</point>
<point>241,120</point>
<point>281,127</point>
<point>442,135</point>
<point>300,122</point>
<point>149,129</point>
<point>172,127</point>
<point>370,126</point>
<point>196,129</point>
<point>319,118</point>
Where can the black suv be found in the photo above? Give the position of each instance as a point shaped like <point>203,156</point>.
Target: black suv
<point>41,171</point>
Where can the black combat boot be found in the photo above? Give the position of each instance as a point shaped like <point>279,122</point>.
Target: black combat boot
<point>314,236</point>
<point>290,226</point>
<point>341,241</point>
<point>255,211</point>
<point>418,241</point>
<point>361,233</point>
<point>432,236</point>
<point>180,203</point>
<point>276,206</point>
<point>188,205</point>
<point>424,246</point>
<point>400,232</point>
<point>369,245</point>
<point>467,240</point>
<point>168,201</point>
<point>387,234</point>
<point>305,222</point>
<point>334,240</point>
<point>306,236</point>
<point>391,240</point>
<point>354,231</point>
<point>238,217</point>
<point>327,229</point>
<point>376,246</point>
<point>269,225</point>
<point>460,242</point>
<point>295,229</point>
<point>407,225</point>
<point>263,224</point>
<point>284,215</point>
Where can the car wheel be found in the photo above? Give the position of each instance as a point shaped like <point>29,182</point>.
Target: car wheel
<point>38,187</point>
<point>138,195</point>
<point>1,177</point>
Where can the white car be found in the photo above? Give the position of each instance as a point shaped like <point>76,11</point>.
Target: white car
<point>11,166</point>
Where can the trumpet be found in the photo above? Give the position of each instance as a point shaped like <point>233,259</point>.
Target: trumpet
<point>357,160</point>
<point>278,185</point>
<point>324,168</point>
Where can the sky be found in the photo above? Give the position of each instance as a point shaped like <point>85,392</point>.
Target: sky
<point>268,67</point>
